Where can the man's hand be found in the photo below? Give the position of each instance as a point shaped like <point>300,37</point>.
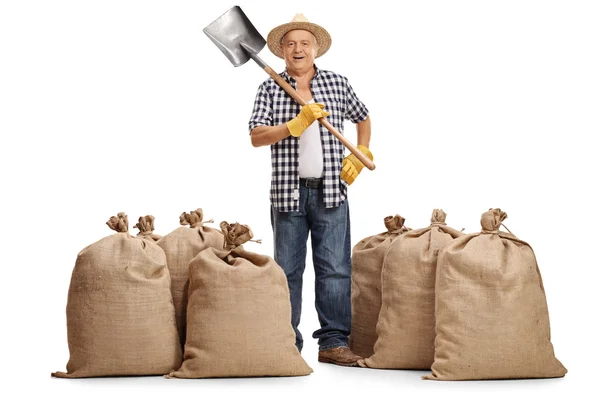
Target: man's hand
<point>307,115</point>
<point>351,165</point>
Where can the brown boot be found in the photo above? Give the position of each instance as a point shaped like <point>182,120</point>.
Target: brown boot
<point>340,356</point>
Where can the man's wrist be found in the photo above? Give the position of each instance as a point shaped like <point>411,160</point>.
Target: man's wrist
<point>366,151</point>
<point>295,127</point>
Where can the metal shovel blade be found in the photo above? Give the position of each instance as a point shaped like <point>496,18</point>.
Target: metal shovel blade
<point>235,36</point>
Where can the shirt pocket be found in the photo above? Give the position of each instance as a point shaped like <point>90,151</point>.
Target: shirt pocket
<point>336,107</point>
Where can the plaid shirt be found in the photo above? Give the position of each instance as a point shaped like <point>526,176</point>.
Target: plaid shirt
<point>273,106</point>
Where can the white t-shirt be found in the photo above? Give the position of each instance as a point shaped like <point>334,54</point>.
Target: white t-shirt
<point>311,152</point>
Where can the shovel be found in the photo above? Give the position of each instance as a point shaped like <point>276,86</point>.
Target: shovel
<point>238,39</point>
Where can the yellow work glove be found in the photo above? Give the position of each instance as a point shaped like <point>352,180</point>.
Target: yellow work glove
<point>307,115</point>
<point>352,166</point>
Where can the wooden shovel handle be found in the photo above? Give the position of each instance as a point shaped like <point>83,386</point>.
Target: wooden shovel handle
<point>292,92</point>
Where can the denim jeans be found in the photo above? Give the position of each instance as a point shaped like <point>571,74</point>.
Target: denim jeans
<point>330,238</point>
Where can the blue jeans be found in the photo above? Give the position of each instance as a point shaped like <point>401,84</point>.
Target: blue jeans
<point>330,238</point>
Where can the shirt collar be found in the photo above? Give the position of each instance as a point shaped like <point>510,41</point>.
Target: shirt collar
<point>291,79</point>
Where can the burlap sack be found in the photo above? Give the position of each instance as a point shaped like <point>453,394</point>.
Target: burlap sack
<point>239,315</point>
<point>146,227</point>
<point>367,260</point>
<point>180,247</point>
<point>491,314</point>
<point>120,315</point>
<point>406,326</point>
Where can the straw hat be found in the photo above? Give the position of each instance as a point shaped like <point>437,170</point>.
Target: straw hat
<point>299,22</point>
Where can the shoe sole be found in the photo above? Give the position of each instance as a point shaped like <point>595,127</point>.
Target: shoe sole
<point>331,361</point>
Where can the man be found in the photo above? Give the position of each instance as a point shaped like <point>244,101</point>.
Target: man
<point>310,177</point>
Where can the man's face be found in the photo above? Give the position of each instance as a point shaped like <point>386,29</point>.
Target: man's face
<point>299,49</point>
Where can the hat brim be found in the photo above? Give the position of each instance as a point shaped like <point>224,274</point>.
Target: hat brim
<point>276,34</point>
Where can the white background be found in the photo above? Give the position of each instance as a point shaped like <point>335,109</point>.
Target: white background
<point>112,106</point>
